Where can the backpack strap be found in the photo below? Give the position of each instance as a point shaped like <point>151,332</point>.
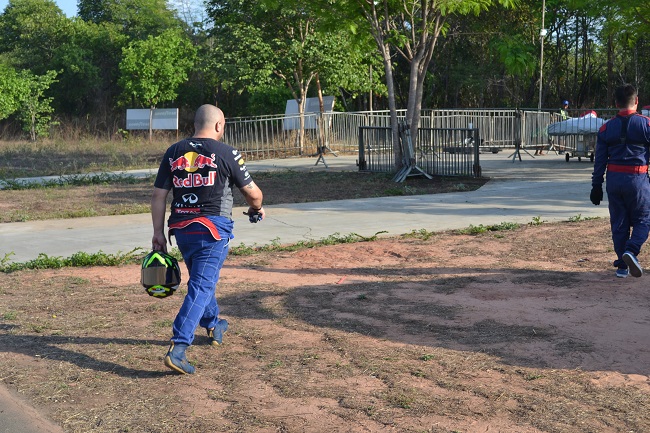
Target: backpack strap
<point>625,121</point>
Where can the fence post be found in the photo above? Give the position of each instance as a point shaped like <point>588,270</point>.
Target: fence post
<point>361,162</point>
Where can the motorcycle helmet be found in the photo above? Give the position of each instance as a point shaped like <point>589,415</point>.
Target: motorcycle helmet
<point>160,274</point>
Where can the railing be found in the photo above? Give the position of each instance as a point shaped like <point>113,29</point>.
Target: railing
<point>279,136</point>
<point>438,151</point>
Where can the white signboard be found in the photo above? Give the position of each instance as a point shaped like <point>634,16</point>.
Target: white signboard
<point>292,118</point>
<point>163,118</point>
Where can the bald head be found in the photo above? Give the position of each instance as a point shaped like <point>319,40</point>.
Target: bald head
<point>209,122</point>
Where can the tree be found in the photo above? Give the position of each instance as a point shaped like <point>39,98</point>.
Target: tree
<point>297,46</point>
<point>137,19</point>
<point>410,28</point>
<point>31,31</point>
<point>11,91</point>
<point>151,70</point>
<point>35,108</point>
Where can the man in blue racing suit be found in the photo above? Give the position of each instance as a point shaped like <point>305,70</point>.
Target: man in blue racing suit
<point>622,150</point>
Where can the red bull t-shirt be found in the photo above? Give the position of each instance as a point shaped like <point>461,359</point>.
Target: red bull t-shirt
<point>201,173</point>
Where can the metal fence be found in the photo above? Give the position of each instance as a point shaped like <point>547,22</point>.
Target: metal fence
<point>278,136</point>
<point>439,151</point>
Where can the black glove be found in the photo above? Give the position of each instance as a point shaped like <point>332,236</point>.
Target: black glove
<point>596,194</point>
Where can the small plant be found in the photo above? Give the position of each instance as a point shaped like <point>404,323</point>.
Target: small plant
<point>427,357</point>
<point>362,297</point>
<point>575,219</point>
<point>532,376</point>
<point>461,187</point>
<point>10,315</point>
<point>475,230</point>
<point>423,234</point>
<point>163,324</point>
<point>537,221</point>
<point>275,364</point>
<point>393,192</point>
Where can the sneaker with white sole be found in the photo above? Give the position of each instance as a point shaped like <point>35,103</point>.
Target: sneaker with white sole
<point>622,273</point>
<point>633,264</point>
<point>216,334</point>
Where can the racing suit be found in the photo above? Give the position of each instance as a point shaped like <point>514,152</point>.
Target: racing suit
<point>622,150</point>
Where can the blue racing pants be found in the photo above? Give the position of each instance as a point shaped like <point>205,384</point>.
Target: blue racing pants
<point>204,257</point>
<point>629,207</point>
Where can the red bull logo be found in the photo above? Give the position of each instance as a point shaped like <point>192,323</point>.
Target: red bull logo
<point>195,180</point>
<point>191,162</point>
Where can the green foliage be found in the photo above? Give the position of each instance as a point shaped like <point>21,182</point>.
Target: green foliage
<point>73,180</point>
<point>537,221</point>
<point>137,19</point>
<point>26,93</point>
<point>475,230</point>
<point>517,56</point>
<point>333,239</point>
<point>31,30</point>
<point>579,217</point>
<point>302,41</point>
<point>36,109</point>
<point>43,261</point>
<point>11,91</point>
<point>151,70</point>
<point>423,234</point>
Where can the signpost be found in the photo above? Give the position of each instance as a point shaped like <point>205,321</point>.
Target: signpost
<point>161,118</point>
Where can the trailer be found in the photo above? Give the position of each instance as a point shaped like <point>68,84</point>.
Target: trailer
<point>578,135</point>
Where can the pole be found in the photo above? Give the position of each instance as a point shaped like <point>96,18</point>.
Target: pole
<point>542,34</point>
<point>370,93</point>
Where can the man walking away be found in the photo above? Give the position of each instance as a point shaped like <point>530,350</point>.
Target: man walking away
<point>200,171</point>
<point>622,150</point>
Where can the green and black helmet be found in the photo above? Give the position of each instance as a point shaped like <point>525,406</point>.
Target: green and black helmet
<point>160,274</point>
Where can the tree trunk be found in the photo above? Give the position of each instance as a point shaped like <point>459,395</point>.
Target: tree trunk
<point>390,86</point>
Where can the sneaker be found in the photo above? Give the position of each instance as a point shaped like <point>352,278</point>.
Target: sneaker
<point>633,264</point>
<point>176,359</point>
<point>216,334</point>
<point>622,273</point>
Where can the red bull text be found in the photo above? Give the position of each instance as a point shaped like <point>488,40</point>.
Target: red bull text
<point>194,180</point>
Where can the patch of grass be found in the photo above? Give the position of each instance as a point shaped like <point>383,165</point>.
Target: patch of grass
<point>75,180</point>
<point>475,230</point>
<point>80,259</point>
<point>579,217</point>
<point>419,234</point>
<point>537,221</point>
<point>10,315</point>
<point>43,261</point>
<point>163,324</point>
<point>334,239</point>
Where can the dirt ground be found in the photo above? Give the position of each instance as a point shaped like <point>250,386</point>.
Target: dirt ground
<point>511,331</point>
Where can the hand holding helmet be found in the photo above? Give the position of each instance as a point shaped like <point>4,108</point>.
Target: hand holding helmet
<point>160,274</point>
